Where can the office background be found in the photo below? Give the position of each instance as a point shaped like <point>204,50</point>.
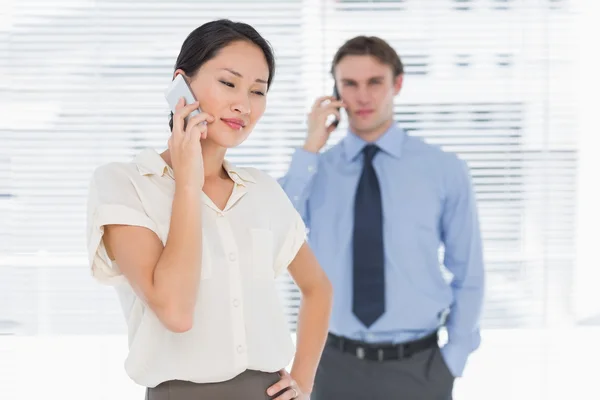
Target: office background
<point>507,84</point>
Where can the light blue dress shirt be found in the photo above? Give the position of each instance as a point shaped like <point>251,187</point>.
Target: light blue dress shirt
<point>428,201</point>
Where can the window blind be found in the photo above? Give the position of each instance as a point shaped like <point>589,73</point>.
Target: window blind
<point>85,83</point>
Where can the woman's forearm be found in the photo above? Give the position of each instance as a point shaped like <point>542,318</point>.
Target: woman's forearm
<point>313,325</point>
<point>177,272</point>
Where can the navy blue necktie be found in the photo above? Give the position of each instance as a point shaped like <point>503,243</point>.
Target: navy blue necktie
<point>368,302</point>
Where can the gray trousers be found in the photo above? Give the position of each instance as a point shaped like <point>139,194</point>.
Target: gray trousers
<point>423,376</point>
<point>249,385</point>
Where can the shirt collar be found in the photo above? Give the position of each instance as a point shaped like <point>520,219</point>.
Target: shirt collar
<point>238,175</point>
<point>149,162</point>
<point>390,142</point>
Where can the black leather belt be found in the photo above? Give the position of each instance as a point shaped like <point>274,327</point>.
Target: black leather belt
<point>382,351</point>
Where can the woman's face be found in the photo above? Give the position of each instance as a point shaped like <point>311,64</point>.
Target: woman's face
<point>232,87</point>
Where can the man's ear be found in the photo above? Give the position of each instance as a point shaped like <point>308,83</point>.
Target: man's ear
<point>398,83</point>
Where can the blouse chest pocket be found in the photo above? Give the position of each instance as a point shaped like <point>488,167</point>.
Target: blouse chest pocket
<point>262,254</point>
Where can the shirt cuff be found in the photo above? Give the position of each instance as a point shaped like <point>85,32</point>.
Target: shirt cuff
<point>294,239</point>
<point>102,267</point>
<point>455,357</point>
<point>304,164</point>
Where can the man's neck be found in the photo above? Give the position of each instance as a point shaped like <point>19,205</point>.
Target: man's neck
<point>374,134</point>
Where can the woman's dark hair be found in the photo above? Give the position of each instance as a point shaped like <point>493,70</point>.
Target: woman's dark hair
<point>205,42</point>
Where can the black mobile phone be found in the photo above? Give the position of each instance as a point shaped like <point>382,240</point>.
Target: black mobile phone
<point>336,94</point>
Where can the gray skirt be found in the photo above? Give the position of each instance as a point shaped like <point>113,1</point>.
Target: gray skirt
<point>249,385</point>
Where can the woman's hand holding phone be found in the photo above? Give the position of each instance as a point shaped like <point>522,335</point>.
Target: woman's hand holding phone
<point>185,147</point>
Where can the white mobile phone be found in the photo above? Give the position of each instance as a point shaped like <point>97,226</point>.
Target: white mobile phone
<point>178,89</point>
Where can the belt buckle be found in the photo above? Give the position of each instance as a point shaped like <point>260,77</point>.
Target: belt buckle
<point>380,355</point>
<point>360,353</point>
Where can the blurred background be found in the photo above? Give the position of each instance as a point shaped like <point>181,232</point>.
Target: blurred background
<point>510,85</point>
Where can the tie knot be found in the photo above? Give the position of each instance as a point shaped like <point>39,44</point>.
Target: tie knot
<point>369,151</point>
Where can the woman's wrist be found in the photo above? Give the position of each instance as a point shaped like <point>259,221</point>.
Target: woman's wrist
<point>305,385</point>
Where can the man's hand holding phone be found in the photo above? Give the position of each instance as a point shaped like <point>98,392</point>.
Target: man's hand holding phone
<point>185,147</point>
<point>318,131</point>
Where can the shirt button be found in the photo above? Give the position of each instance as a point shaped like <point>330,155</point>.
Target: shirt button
<point>220,214</point>
<point>236,303</point>
<point>311,168</point>
<point>232,257</point>
<point>296,198</point>
<point>240,349</point>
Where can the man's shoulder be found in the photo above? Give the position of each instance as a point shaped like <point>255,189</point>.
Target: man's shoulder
<point>431,152</point>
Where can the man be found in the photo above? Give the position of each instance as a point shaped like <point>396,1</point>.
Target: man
<point>378,205</point>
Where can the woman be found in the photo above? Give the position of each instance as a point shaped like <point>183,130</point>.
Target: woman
<point>193,243</point>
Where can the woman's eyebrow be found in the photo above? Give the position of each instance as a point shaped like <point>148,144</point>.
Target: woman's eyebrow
<point>231,71</point>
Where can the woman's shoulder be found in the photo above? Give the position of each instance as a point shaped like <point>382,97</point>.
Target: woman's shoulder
<point>259,178</point>
<point>268,188</point>
<point>114,174</point>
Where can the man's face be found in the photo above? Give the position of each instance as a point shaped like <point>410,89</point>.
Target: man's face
<point>368,88</point>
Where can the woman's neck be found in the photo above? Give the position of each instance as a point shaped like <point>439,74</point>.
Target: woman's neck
<point>213,156</point>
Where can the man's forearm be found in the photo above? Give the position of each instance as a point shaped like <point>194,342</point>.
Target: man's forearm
<point>464,258</point>
<point>298,180</point>
<point>463,326</point>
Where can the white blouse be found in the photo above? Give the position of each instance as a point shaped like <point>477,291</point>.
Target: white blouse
<point>239,321</point>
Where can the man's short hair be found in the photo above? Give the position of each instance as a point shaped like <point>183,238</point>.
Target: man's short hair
<point>369,46</point>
